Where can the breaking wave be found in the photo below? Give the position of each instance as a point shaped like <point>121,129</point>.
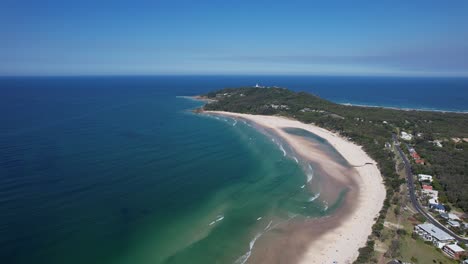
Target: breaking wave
<point>313,198</point>
<point>242,259</point>
<point>218,218</point>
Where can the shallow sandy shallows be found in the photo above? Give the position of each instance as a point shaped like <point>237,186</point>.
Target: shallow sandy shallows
<point>341,241</point>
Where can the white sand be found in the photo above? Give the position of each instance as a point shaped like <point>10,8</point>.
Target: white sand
<point>340,244</point>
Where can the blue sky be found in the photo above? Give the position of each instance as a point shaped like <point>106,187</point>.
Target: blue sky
<point>402,38</point>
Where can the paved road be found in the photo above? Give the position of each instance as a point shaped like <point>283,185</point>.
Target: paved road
<point>414,200</point>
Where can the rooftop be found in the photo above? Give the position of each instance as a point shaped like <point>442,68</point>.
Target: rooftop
<point>453,223</point>
<point>427,187</point>
<point>437,206</point>
<point>435,232</point>
<point>455,248</point>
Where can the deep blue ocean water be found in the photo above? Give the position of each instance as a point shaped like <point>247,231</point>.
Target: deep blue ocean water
<point>117,170</point>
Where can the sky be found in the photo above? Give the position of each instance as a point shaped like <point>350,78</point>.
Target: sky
<point>365,38</point>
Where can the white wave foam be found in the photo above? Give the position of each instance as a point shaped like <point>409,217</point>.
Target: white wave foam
<point>242,259</point>
<point>311,199</point>
<point>218,218</point>
<point>295,159</point>
<point>325,206</point>
<point>235,122</point>
<point>269,224</point>
<point>282,149</point>
<point>310,175</point>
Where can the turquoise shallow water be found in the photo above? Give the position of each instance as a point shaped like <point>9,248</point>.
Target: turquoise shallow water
<point>115,170</point>
<point>129,175</point>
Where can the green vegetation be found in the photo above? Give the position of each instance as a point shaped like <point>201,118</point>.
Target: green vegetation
<point>372,128</point>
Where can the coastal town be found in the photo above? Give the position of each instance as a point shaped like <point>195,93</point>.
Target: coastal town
<point>444,228</point>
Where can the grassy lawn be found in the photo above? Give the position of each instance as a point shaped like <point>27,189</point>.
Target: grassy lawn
<point>412,250</point>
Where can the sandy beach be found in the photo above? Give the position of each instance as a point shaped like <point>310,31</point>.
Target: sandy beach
<point>336,238</point>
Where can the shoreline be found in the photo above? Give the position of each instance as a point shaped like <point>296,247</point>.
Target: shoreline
<point>406,108</point>
<point>333,238</point>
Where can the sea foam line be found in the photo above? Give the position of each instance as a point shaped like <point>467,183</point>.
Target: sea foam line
<point>282,149</point>
<point>218,218</point>
<point>310,175</point>
<point>242,259</point>
<point>313,198</point>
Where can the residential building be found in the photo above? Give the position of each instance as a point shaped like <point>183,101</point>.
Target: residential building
<point>427,187</point>
<point>424,177</point>
<point>454,251</point>
<point>431,193</point>
<point>450,216</point>
<point>437,207</point>
<point>406,136</point>
<point>453,223</point>
<point>430,232</point>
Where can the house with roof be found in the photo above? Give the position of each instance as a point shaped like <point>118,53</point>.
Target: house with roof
<point>427,187</point>
<point>431,193</point>
<point>437,207</point>
<point>424,177</point>
<point>454,251</point>
<point>430,232</point>
<point>453,223</point>
<point>406,136</point>
<point>450,216</point>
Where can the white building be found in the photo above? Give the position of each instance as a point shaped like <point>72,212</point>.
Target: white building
<point>424,177</point>
<point>453,223</point>
<point>450,216</point>
<point>438,143</point>
<point>454,251</point>
<point>430,232</point>
<point>406,136</point>
<point>431,193</point>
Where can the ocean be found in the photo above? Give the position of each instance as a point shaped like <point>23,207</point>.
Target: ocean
<point>119,170</point>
